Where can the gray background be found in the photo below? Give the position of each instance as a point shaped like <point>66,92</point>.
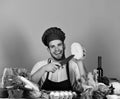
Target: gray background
<point>93,23</point>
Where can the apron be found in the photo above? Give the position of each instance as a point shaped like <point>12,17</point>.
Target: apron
<point>57,86</point>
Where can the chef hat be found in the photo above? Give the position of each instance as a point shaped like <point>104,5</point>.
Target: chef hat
<point>53,33</point>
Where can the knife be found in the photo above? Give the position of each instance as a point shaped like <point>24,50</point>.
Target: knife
<point>66,60</point>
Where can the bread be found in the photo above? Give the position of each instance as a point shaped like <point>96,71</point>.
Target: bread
<point>77,50</point>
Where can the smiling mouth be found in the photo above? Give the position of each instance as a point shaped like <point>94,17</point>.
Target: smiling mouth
<point>57,53</point>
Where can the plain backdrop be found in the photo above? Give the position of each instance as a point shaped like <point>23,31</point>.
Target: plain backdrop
<point>95,24</point>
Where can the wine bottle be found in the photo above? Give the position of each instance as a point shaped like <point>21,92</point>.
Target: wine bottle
<point>99,68</point>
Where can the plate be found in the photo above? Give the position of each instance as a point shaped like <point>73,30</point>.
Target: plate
<point>113,97</point>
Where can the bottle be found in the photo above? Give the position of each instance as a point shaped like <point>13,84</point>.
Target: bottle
<point>99,68</point>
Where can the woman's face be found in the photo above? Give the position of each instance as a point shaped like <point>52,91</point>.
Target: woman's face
<point>56,49</point>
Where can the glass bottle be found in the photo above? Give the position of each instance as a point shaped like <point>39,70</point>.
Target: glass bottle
<point>99,69</point>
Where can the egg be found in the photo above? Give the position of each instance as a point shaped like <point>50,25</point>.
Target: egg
<point>70,95</point>
<point>51,95</point>
<point>61,95</point>
<point>65,95</point>
<point>56,95</point>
